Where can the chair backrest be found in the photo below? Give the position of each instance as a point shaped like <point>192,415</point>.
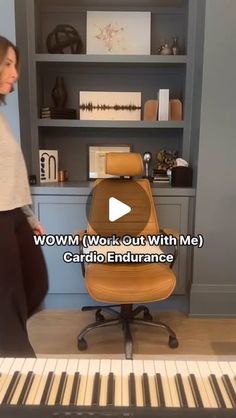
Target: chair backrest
<point>136,193</point>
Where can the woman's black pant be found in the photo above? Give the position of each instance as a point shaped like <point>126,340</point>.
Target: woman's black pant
<point>23,282</point>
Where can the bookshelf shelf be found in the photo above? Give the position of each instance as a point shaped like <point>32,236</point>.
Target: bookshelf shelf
<point>112,59</point>
<point>111,124</point>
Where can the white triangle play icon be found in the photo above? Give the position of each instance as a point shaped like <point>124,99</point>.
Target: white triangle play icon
<point>117,209</point>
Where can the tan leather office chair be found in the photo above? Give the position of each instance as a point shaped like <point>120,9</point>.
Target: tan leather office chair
<point>126,284</point>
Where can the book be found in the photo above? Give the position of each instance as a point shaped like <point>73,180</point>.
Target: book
<point>163,109</point>
<point>161,179</point>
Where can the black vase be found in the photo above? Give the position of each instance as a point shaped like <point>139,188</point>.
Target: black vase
<point>59,93</point>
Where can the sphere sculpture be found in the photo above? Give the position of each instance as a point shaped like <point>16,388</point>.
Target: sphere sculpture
<point>62,39</point>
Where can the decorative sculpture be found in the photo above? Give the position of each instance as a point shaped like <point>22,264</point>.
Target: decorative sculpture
<point>147,156</point>
<point>59,93</point>
<point>62,39</point>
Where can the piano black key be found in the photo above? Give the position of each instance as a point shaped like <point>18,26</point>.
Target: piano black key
<point>132,392</point>
<point>195,391</point>
<point>47,388</point>
<point>160,391</point>
<point>96,389</point>
<point>229,389</point>
<point>61,389</point>
<point>26,388</point>
<point>75,389</point>
<point>181,391</point>
<point>11,388</point>
<point>146,391</point>
<point>110,389</point>
<point>217,392</point>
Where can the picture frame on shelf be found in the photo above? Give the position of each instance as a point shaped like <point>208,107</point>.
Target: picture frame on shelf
<point>96,158</point>
<point>48,165</point>
<point>118,32</point>
<point>109,105</point>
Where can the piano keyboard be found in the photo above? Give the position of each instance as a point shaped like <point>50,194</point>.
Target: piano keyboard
<point>71,387</point>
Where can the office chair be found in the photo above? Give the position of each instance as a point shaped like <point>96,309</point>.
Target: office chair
<point>126,284</point>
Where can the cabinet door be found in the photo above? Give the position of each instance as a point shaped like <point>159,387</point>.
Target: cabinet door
<point>62,215</point>
<point>173,213</point>
<point>65,215</point>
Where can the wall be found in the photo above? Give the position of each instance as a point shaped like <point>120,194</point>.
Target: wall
<point>7,29</point>
<point>213,290</point>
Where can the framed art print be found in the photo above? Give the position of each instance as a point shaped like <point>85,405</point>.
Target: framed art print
<point>118,33</point>
<point>48,165</point>
<point>109,105</point>
<point>96,157</point>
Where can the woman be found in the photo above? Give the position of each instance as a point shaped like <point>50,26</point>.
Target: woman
<point>23,275</point>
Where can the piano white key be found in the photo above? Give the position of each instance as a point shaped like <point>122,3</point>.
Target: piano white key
<point>205,372</point>
<point>160,368</point>
<point>16,366</point>
<point>94,366</point>
<point>116,369</point>
<point>27,367</point>
<point>171,373</point>
<point>215,369</point>
<point>72,368</point>
<point>233,366</point>
<point>4,370</point>
<point>127,368</point>
<point>49,367</point>
<point>181,367</point>
<point>193,369</point>
<point>226,369</point>
<point>59,369</point>
<point>149,368</point>
<point>83,370</point>
<point>105,367</point>
<point>37,370</point>
<point>138,372</point>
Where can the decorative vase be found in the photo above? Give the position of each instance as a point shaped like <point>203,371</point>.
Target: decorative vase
<point>165,49</point>
<point>59,93</point>
<point>175,47</point>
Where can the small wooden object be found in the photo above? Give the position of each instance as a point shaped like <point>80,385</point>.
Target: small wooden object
<point>150,110</point>
<point>176,112</point>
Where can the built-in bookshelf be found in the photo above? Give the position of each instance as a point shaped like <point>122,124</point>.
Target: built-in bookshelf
<point>144,73</point>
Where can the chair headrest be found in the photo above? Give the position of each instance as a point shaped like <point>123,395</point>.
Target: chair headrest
<point>124,163</point>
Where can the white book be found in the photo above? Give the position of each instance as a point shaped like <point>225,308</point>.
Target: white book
<point>163,108</point>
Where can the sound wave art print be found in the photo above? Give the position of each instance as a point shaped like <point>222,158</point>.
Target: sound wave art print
<point>103,105</point>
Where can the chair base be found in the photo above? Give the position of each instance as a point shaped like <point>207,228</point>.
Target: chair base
<point>125,317</point>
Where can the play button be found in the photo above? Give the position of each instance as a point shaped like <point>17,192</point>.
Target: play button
<point>117,209</point>
<point>118,206</point>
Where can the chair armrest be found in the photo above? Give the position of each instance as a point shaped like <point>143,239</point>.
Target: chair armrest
<point>169,231</point>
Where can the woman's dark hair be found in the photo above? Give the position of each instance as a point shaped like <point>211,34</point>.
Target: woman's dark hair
<point>4,45</point>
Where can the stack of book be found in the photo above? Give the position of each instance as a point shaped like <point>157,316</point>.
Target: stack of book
<point>58,113</point>
<point>160,176</point>
<point>45,113</point>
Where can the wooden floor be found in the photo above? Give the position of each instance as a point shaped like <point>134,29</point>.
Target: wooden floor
<point>55,333</point>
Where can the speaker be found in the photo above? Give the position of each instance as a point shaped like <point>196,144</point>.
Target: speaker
<point>181,176</point>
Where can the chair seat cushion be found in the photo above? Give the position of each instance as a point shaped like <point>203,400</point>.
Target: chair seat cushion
<point>129,283</point>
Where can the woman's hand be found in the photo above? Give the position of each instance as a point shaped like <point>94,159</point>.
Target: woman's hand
<point>39,230</point>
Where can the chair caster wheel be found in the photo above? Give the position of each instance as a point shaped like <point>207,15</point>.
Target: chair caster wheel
<point>173,342</point>
<point>99,317</point>
<point>146,315</point>
<point>82,344</point>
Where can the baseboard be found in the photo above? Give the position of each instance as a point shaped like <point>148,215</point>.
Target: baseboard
<point>213,300</point>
